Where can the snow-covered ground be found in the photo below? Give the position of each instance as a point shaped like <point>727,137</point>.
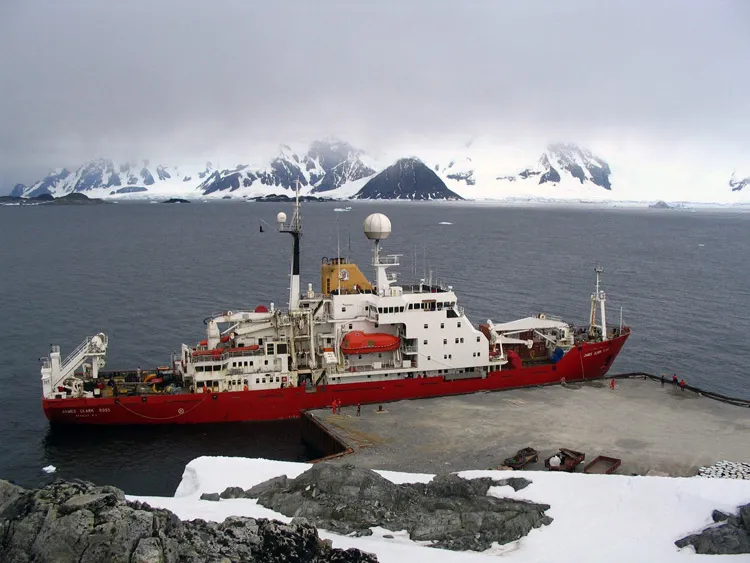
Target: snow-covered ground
<point>613,518</point>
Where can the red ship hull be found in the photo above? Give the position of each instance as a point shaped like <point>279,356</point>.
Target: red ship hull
<point>587,361</point>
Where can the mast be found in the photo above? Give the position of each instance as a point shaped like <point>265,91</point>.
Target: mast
<point>598,298</point>
<point>294,228</point>
<point>338,245</point>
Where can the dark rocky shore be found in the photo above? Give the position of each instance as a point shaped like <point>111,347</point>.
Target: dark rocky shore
<point>78,522</point>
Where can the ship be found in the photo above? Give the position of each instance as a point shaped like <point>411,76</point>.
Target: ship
<point>355,342</point>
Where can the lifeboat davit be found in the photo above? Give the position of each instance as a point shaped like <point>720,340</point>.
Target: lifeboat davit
<point>358,342</point>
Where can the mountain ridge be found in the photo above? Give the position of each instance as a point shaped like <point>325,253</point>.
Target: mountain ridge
<point>336,169</point>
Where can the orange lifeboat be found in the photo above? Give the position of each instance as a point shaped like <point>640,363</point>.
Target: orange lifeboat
<point>358,342</point>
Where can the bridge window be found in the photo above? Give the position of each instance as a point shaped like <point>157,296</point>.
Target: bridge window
<point>426,326</point>
<point>425,343</point>
<point>442,325</point>
<point>478,339</point>
<point>281,348</point>
<point>458,324</point>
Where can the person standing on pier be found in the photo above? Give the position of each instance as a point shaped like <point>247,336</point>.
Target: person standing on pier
<point>674,379</point>
<point>662,380</point>
<point>359,408</point>
<point>682,385</point>
<point>612,384</point>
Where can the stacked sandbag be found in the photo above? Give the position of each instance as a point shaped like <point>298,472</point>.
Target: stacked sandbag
<point>726,470</point>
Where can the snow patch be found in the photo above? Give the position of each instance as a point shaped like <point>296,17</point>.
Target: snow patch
<point>614,518</point>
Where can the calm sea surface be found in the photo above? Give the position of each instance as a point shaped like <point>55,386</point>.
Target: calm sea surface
<point>147,275</point>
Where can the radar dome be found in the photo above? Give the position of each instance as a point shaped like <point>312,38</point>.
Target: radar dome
<point>281,217</point>
<point>377,226</point>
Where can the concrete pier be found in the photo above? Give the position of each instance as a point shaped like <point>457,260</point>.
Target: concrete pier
<point>653,429</point>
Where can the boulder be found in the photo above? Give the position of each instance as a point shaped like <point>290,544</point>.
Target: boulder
<point>731,536</point>
<point>78,522</point>
<point>449,511</point>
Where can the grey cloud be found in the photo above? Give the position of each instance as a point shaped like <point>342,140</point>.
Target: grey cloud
<point>175,78</point>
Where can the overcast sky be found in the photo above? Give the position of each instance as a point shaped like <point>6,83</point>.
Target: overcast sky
<point>178,80</point>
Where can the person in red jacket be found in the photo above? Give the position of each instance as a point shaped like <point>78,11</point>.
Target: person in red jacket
<point>682,384</point>
<point>612,384</point>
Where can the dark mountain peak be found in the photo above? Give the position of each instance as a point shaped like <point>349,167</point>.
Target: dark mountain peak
<point>407,178</point>
<point>738,184</point>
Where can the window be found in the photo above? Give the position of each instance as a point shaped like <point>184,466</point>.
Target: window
<point>425,343</point>
<point>456,342</point>
<point>401,309</point>
<point>429,358</point>
<point>277,379</point>
<point>450,356</point>
<point>350,327</point>
<point>426,326</point>
<point>380,309</point>
<point>390,309</point>
<point>445,341</point>
<point>265,362</point>
<point>462,341</point>
<point>257,380</point>
<point>260,342</point>
<point>445,356</point>
<point>343,309</point>
<point>411,306</point>
<point>442,325</point>
<point>458,324</point>
<point>478,339</point>
<point>281,349</point>
<point>269,349</point>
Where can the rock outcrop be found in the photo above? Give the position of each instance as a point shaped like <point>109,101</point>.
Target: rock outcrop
<point>730,536</point>
<point>78,522</point>
<point>451,512</point>
<point>408,179</point>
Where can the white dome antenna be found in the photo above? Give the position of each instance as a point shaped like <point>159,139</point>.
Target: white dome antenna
<point>281,218</point>
<point>377,227</point>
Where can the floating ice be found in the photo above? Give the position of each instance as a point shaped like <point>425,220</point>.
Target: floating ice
<point>49,469</point>
<point>445,223</point>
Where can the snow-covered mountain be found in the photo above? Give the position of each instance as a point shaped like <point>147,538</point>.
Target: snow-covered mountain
<point>108,178</point>
<point>407,178</point>
<point>478,170</point>
<point>324,167</point>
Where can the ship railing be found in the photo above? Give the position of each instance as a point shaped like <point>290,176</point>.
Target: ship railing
<point>83,348</point>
